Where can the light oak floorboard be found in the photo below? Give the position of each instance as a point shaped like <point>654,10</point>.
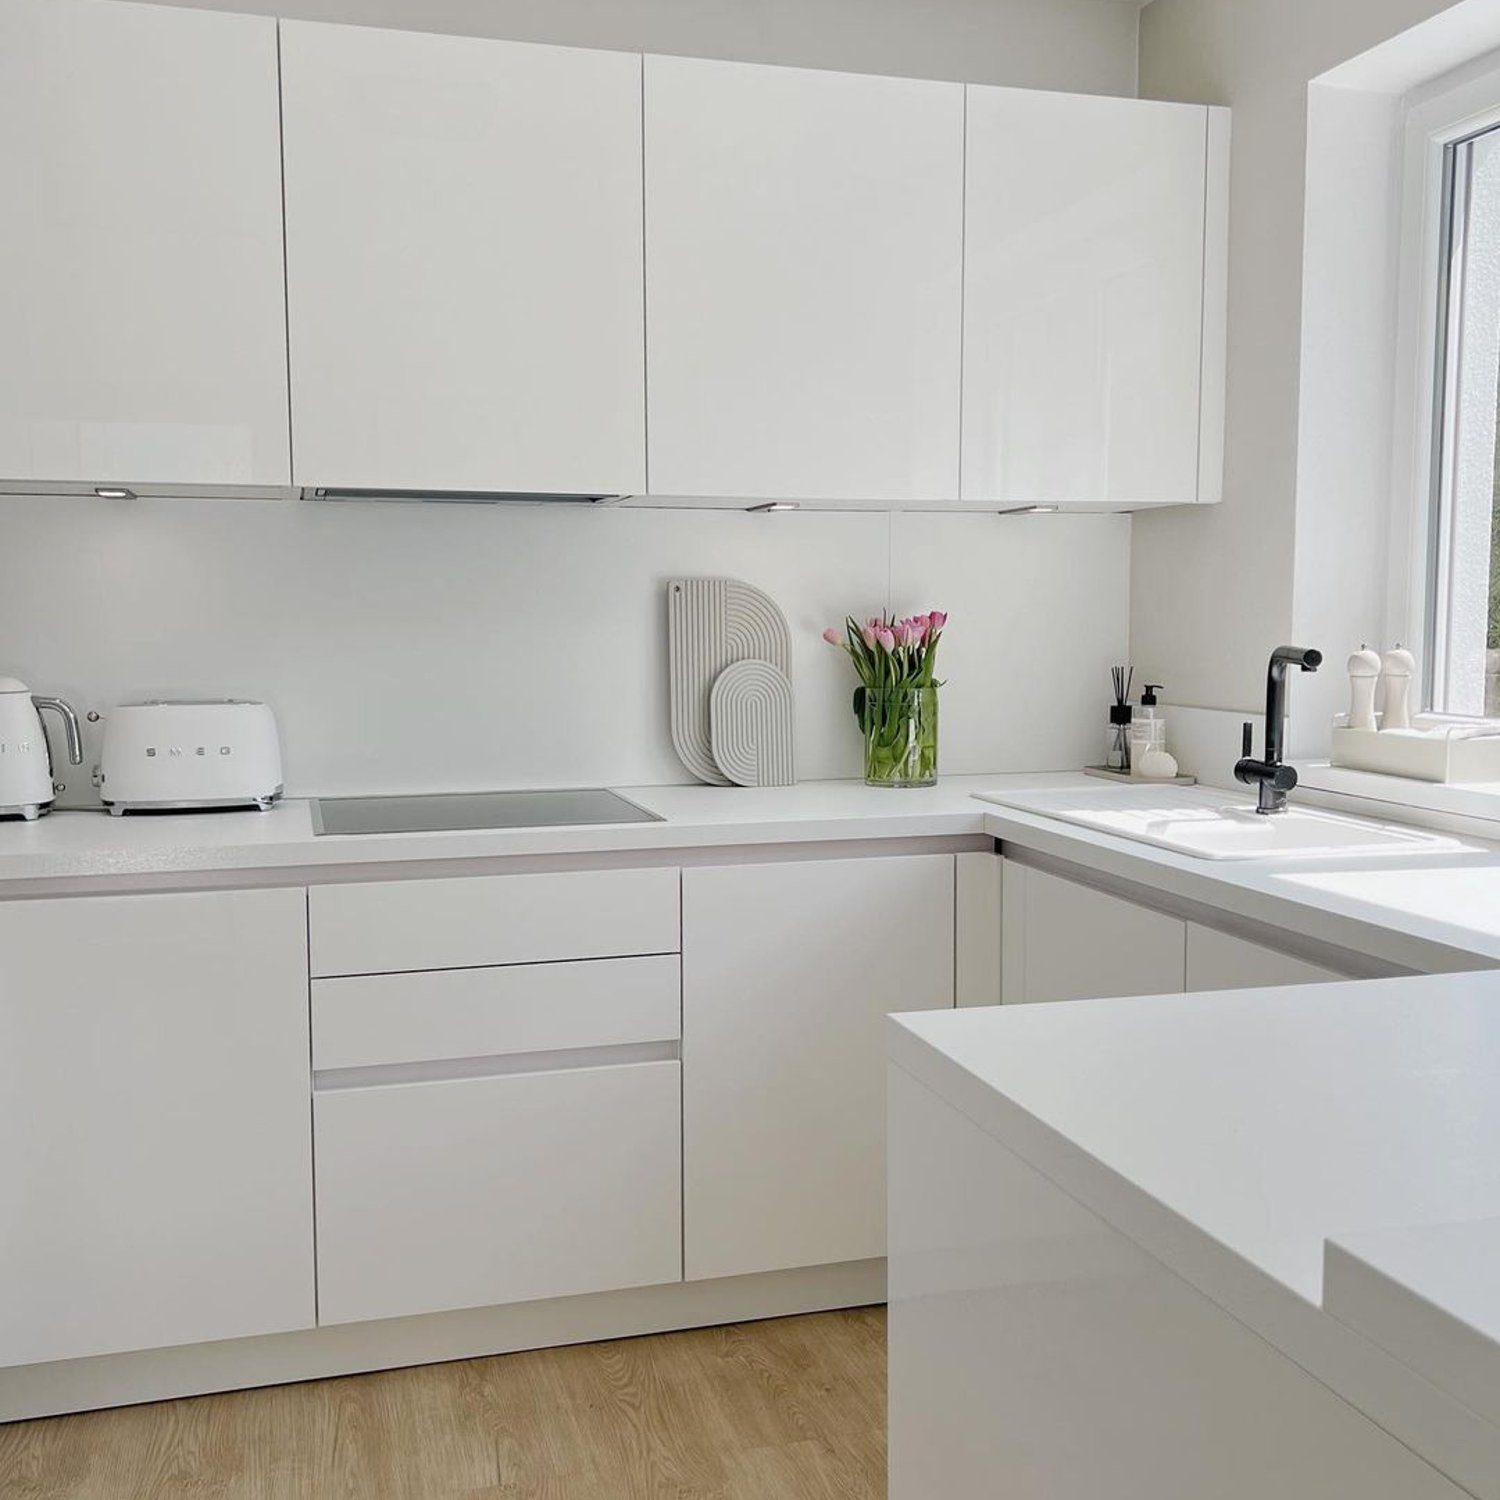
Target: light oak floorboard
<point>789,1409</point>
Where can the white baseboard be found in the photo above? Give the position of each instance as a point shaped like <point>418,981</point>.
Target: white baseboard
<point>352,1348</point>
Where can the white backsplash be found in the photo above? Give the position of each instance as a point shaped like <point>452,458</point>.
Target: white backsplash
<point>410,647</point>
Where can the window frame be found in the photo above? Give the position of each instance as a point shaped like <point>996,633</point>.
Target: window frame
<point>1438,117</point>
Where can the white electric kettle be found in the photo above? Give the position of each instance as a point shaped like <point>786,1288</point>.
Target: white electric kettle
<point>26,788</point>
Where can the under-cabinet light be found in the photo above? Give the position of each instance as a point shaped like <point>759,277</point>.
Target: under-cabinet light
<point>113,492</point>
<point>764,510</point>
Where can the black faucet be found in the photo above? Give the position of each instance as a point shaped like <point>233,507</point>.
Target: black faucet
<point>1273,779</point>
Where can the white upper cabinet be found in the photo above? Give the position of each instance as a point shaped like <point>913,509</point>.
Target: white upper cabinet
<point>141,293</point>
<point>463,262</point>
<point>1093,300</point>
<point>804,233</point>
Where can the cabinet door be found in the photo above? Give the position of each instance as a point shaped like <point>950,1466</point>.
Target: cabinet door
<point>1083,298</point>
<point>1219,961</point>
<point>469,1192</point>
<point>1066,941</point>
<point>154,1098</point>
<point>789,970</point>
<point>977,928</point>
<point>803,274</point>
<point>463,262</point>
<point>141,291</point>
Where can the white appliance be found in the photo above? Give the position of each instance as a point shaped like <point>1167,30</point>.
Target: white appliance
<point>189,754</point>
<point>26,786</point>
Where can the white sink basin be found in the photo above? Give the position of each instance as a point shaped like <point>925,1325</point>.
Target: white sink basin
<point>1214,825</point>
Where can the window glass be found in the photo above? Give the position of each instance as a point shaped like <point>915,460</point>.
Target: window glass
<point>1464,601</point>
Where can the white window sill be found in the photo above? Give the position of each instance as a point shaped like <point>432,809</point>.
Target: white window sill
<point>1475,804</point>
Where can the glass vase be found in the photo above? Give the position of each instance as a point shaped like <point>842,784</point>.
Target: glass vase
<point>901,736</point>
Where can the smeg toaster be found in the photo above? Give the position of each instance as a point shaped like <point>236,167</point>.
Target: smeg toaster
<point>185,754</point>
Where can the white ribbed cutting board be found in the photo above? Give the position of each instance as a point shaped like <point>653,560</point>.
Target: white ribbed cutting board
<point>712,623</point>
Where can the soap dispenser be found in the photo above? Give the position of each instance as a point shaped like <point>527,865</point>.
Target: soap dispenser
<point>1149,758</point>
<point>1149,727</point>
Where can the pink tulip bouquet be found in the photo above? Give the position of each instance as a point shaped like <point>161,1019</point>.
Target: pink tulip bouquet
<point>896,700</point>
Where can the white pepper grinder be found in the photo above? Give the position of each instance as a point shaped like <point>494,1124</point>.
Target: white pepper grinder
<point>1364,669</point>
<point>1397,668</point>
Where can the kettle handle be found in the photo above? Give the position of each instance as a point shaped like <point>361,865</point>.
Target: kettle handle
<point>64,711</point>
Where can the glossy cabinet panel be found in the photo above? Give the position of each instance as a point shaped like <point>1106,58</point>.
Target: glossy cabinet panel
<point>154,1104</point>
<point>978,885</point>
<point>470,1192</point>
<point>388,926</point>
<point>141,285</point>
<point>1220,961</point>
<point>376,1020</point>
<point>1084,302</point>
<point>789,970</point>
<point>804,238</point>
<point>1067,941</point>
<point>463,262</point>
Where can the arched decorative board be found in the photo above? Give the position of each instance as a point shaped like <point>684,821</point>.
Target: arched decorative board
<point>750,724</point>
<point>712,623</point>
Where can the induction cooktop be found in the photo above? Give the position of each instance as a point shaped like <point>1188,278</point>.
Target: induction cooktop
<point>447,812</point>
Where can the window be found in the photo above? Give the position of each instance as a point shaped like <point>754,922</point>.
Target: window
<point>1463,583</point>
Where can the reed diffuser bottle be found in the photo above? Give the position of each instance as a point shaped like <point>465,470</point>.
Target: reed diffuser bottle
<point>1117,741</point>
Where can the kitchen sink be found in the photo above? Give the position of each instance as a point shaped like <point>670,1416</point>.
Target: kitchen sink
<point>1214,825</point>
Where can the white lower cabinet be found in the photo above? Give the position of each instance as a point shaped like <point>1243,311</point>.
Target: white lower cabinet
<point>978,966</point>
<point>1067,940</point>
<point>1220,961</point>
<point>469,1192</point>
<point>154,1109</point>
<point>789,970</point>
<point>1064,940</point>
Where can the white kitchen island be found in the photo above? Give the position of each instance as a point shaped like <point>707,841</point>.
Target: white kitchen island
<point>1233,1245</point>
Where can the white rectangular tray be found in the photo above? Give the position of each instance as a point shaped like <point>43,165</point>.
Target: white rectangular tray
<point>1441,751</point>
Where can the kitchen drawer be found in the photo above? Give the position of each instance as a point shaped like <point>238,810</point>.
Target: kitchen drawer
<point>480,1191</point>
<point>376,1019</point>
<point>398,925</point>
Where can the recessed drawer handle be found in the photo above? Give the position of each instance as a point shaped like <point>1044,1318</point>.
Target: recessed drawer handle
<point>447,1070</point>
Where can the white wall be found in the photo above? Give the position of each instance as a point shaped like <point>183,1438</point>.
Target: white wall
<point>1084,45</point>
<point>1214,590</point>
<point>410,647</point>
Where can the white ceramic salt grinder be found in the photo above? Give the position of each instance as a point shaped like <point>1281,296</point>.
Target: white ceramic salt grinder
<point>1397,668</point>
<point>1364,669</point>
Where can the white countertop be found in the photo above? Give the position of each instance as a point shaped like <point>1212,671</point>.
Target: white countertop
<point>89,846</point>
<point>1272,1119</point>
<point>1426,913</point>
<point>1235,1135</point>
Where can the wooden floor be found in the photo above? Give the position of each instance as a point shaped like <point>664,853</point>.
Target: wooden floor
<point>792,1408</point>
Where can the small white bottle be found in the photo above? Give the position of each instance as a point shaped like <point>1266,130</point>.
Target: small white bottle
<point>1364,669</point>
<point>1397,668</point>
